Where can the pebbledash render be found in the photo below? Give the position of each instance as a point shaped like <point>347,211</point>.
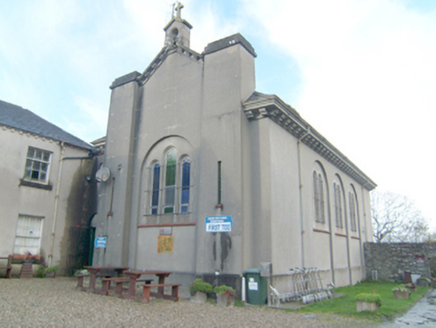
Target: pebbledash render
<point>190,139</point>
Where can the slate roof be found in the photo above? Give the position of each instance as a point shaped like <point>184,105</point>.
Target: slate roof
<point>22,119</point>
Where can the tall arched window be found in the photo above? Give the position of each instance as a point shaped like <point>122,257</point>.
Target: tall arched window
<point>170,181</point>
<point>318,191</point>
<point>352,201</point>
<point>338,205</point>
<point>185,184</point>
<point>155,189</point>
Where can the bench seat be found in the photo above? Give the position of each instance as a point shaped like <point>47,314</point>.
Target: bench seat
<point>80,278</point>
<point>160,294</point>
<point>119,281</point>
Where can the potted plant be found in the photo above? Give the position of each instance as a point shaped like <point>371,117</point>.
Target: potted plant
<point>367,302</point>
<point>199,290</point>
<point>47,272</point>
<point>401,292</point>
<point>225,295</point>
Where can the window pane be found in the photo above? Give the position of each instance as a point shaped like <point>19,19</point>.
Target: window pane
<point>155,189</point>
<point>169,195</point>
<point>170,181</point>
<point>168,210</point>
<point>38,154</point>
<point>186,177</point>
<point>35,175</point>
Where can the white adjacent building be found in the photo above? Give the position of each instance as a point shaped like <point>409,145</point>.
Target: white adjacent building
<point>45,196</point>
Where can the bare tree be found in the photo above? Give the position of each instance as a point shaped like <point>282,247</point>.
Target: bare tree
<point>397,219</point>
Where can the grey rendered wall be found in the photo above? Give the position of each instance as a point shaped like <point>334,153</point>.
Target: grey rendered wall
<point>115,195</point>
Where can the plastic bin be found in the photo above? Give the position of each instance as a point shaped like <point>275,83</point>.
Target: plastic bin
<point>256,287</point>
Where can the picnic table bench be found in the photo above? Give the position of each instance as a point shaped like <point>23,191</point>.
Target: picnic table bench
<point>97,271</point>
<point>119,281</point>
<point>160,294</point>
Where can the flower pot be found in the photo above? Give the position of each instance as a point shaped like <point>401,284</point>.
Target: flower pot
<point>402,295</point>
<point>225,299</point>
<point>366,306</point>
<point>199,297</point>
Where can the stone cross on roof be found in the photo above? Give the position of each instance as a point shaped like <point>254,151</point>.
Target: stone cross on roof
<point>178,9</point>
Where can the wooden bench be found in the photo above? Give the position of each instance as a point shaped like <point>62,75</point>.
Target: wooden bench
<point>8,266</point>
<point>160,294</point>
<point>80,278</point>
<point>119,281</point>
<point>106,284</point>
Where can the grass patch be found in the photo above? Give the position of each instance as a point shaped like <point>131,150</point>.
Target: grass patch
<point>346,305</point>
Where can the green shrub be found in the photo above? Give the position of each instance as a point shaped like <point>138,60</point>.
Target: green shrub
<point>400,288</point>
<point>43,271</point>
<point>200,286</point>
<point>224,289</point>
<point>369,297</point>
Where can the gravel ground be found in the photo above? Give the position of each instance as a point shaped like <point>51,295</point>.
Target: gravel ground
<point>56,303</point>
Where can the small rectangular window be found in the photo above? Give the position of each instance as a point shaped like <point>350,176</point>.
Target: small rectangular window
<point>37,165</point>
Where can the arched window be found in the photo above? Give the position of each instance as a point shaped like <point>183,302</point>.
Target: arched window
<point>185,184</point>
<point>318,191</point>
<point>170,181</point>
<point>155,189</point>
<point>352,200</point>
<point>338,205</point>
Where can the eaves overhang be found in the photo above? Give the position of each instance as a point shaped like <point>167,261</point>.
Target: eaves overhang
<point>260,106</point>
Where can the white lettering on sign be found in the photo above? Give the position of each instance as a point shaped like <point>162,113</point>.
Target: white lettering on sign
<point>218,223</point>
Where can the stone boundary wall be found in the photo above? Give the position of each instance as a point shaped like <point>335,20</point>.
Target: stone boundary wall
<point>390,260</point>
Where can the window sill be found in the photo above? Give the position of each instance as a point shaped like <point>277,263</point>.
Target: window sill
<point>322,231</point>
<point>38,185</point>
<point>341,234</point>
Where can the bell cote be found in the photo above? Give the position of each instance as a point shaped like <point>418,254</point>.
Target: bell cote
<point>178,30</point>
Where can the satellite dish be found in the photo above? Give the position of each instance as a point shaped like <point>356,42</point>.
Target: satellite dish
<point>102,174</point>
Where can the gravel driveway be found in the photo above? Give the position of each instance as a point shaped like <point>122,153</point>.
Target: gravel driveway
<point>56,303</point>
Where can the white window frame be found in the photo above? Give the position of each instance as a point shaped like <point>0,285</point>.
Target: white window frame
<point>34,165</point>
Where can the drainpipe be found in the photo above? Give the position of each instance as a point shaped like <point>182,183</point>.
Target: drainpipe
<point>300,187</point>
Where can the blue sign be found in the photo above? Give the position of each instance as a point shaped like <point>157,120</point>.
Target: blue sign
<point>100,242</point>
<point>219,223</point>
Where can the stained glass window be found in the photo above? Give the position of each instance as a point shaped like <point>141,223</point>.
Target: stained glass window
<point>155,189</point>
<point>186,177</point>
<point>170,180</point>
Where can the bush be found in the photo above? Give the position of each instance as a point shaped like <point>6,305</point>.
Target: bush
<point>200,286</point>
<point>43,271</point>
<point>224,289</point>
<point>400,288</point>
<point>370,298</point>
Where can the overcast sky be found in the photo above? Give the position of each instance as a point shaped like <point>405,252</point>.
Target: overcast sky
<point>363,73</point>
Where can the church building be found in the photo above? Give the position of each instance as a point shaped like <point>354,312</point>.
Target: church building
<point>204,176</point>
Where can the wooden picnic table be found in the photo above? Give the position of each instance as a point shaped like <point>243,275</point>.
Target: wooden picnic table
<point>134,276</point>
<point>94,270</point>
